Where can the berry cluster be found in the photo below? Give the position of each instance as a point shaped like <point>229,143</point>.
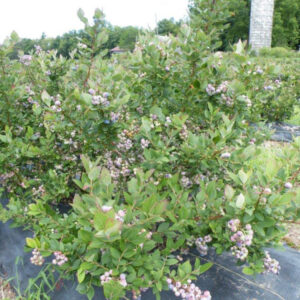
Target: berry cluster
<point>222,88</point>
<point>118,167</point>
<point>114,117</point>
<point>26,59</point>
<point>188,291</point>
<point>38,49</point>
<point>228,100</point>
<point>57,103</point>
<point>106,277</point>
<point>247,100</point>
<point>271,265</point>
<point>148,235</point>
<point>201,244</point>
<point>210,90</point>
<point>125,143</point>
<point>39,191</point>
<point>36,259</point>
<point>96,100</point>
<point>123,281</point>
<point>185,181</point>
<point>242,238</point>
<point>184,132</point>
<point>144,143</point>
<point>59,259</point>
<point>120,215</point>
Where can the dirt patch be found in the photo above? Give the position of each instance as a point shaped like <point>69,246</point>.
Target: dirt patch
<point>271,144</point>
<point>6,291</point>
<point>293,236</point>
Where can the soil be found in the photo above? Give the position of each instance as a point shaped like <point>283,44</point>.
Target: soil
<point>6,291</point>
<point>293,236</point>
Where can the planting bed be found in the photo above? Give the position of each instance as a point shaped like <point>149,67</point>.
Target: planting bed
<point>151,154</point>
<point>225,279</point>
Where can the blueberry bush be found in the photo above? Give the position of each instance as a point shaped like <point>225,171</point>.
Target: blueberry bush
<point>153,152</point>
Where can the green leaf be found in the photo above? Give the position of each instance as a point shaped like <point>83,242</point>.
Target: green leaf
<point>113,290</point>
<point>86,99</point>
<point>234,177</point>
<point>259,229</point>
<point>80,275</point>
<point>243,176</point>
<point>102,37</point>
<point>94,173</point>
<point>115,253</point>
<point>100,220</point>
<point>171,261</point>
<point>46,98</point>
<point>3,139</point>
<point>31,243</point>
<point>105,177</point>
<point>146,125</point>
<point>86,163</point>
<point>85,236</point>
<point>211,191</point>
<point>81,16</point>
<point>14,37</point>
<point>205,267</point>
<point>149,203</point>
<point>159,286</point>
<point>186,267</point>
<point>91,292</point>
<point>149,245</point>
<point>132,186</point>
<point>240,201</point>
<point>229,192</point>
<point>248,271</point>
<point>123,100</point>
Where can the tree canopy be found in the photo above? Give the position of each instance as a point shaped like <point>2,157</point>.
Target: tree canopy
<point>234,13</point>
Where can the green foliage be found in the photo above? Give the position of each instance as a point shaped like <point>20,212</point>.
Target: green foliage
<point>152,152</point>
<point>279,52</point>
<point>168,26</point>
<point>286,23</point>
<point>210,17</point>
<point>125,37</point>
<point>239,21</point>
<point>286,28</point>
<point>39,287</point>
<point>128,37</point>
<point>295,119</point>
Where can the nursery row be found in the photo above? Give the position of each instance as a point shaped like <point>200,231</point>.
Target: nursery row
<point>154,153</point>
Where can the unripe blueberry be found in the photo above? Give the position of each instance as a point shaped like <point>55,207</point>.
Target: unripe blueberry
<point>288,185</point>
<point>92,91</point>
<point>225,155</point>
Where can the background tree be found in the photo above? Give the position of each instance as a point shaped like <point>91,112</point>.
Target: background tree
<point>208,15</point>
<point>166,26</point>
<point>239,22</point>
<point>286,29</point>
<point>286,23</point>
<point>128,37</point>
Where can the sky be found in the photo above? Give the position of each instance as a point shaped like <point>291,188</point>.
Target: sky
<point>30,18</point>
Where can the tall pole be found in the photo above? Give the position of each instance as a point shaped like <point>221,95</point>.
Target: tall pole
<point>261,23</point>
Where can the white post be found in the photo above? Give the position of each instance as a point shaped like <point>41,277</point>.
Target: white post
<point>261,23</point>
